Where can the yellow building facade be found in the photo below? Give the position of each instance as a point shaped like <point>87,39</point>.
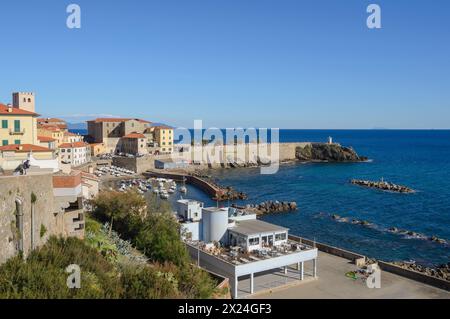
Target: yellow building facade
<point>53,132</point>
<point>17,126</point>
<point>163,136</point>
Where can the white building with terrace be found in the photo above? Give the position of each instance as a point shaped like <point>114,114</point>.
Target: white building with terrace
<point>253,254</point>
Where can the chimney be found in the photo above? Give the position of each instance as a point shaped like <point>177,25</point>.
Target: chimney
<point>9,108</point>
<point>20,147</point>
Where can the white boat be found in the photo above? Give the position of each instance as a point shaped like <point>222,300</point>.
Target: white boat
<point>156,191</point>
<point>183,189</point>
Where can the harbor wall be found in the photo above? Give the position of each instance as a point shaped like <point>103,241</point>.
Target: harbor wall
<point>216,157</point>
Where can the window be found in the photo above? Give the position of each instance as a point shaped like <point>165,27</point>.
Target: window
<point>253,241</point>
<point>17,142</point>
<point>17,126</point>
<point>29,100</point>
<point>4,123</point>
<point>281,236</point>
<point>63,150</point>
<point>4,142</point>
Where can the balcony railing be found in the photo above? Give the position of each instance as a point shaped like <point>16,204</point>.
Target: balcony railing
<point>17,132</point>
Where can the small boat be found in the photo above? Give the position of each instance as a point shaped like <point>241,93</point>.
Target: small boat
<point>156,191</point>
<point>183,189</point>
<point>171,191</point>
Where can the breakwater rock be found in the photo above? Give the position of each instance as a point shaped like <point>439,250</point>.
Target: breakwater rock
<point>412,234</point>
<point>327,152</point>
<point>270,207</point>
<point>394,230</point>
<point>441,272</point>
<point>352,221</point>
<point>385,186</point>
<point>228,193</point>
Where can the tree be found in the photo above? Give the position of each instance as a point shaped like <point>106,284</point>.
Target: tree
<point>117,206</point>
<point>159,240</point>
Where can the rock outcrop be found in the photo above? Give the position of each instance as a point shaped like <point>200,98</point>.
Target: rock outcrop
<point>385,186</point>
<point>327,153</point>
<point>441,272</point>
<point>270,207</point>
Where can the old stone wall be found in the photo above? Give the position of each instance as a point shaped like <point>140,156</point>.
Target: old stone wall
<point>35,192</point>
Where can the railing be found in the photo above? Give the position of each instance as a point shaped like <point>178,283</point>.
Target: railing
<point>17,132</point>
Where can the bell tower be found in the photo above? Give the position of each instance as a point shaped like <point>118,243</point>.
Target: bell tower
<point>24,101</point>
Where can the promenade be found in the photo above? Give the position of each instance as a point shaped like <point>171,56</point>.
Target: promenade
<point>333,284</point>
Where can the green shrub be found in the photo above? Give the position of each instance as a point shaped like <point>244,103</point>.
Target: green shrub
<point>42,231</point>
<point>42,275</point>
<point>156,233</point>
<point>159,240</point>
<point>33,198</point>
<point>149,283</point>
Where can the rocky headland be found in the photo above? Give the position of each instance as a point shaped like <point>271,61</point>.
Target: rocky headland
<point>327,152</point>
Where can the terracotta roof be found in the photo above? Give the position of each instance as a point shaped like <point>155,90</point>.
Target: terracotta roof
<point>46,139</point>
<point>100,120</point>
<point>71,180</point>
<point>24,148</point>
<point>70,134</point>
<point>73,145</point>
<point>89,176</point>
<point>134,135</point>
<point>15,111</point>
<point>53,128</point>
<point>111,119</point>
<point>144,121</point>
<point>163,127</point>
<point>50,120</point>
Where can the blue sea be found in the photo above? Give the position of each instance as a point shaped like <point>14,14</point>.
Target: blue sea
<point>419,159</point>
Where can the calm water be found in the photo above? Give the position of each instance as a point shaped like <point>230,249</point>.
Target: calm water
<point>419,159</point>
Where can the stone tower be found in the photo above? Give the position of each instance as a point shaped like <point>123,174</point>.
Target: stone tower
<point>24,101</point>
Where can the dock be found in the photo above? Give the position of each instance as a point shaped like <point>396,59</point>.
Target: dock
<point>216,192</point>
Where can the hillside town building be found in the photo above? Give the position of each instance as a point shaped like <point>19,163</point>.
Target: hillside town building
<point>132,136</point>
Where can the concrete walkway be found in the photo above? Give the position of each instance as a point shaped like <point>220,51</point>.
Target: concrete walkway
<point>333,284</point>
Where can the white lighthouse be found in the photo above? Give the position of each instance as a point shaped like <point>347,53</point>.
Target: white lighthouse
<point>330,140</point>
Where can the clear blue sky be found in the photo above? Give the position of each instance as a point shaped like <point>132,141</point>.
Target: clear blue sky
<point>263,63</point>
